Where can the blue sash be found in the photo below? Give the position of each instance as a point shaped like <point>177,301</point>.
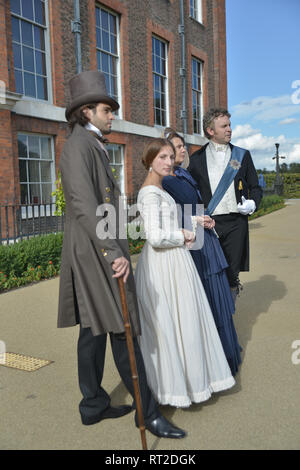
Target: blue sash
<point>237,155</point>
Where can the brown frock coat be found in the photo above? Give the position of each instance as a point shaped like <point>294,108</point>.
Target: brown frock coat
<point>87,287</point>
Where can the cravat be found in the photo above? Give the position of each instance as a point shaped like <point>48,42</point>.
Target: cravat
<point>101,140</point>
<point>220,148</point>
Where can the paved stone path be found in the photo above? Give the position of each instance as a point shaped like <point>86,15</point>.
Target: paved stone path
<point>39,410</point>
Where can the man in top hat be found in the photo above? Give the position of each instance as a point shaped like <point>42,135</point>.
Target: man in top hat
<point>89,293</point>
<point>229,186</point>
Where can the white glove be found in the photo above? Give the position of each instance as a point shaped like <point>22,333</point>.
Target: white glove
<point>248,206</point>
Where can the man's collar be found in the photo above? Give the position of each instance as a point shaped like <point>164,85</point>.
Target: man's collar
<point>90,127</point>
<point>219,147</point>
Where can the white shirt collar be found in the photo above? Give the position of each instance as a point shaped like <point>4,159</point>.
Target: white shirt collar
<point>90,127</point>
<point>219,147</point>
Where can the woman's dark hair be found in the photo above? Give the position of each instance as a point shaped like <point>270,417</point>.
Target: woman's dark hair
<point>170,134</point>
<point>78,116</point>
<point>153,148</point>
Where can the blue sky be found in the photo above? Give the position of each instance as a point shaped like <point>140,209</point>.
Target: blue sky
<point>263,70</point>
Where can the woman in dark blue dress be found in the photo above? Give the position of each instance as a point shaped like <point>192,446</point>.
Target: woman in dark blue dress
<point>209,260</point>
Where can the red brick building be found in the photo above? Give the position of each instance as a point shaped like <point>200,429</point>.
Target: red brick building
<point>138,44</point>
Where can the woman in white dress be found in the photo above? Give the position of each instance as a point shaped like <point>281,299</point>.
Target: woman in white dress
<point>183,355</point>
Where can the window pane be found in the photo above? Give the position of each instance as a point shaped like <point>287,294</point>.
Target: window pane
<point>33,171</point>
<point>23,172</point>
<point>113,44</point>
<point>19,82</point>
<point>46,172</point>
<point>46,193</point>
<point>24,194</point>
<point>41,84</point>
<point>104,19</point>
<point>27,36</point>
<point>40,63</point>
<point>99,65</point>
<point>29,83</point>
<point>118,155</point>
<point>39,40</point>
<point>34,146</point>
<point>27,9</point>
<point>112,24</point>
<point>22,146</point>
<point>98,38</point>
<point>157,116</point>
<point>46,148</point>
<point>104,62</point>
<point>105,41</point>
<point>28,59</point>
<point>15,6</point>
<point>17,56</point>
<point>35,194</point>
<point>15,27</point>
<point>39,9</point>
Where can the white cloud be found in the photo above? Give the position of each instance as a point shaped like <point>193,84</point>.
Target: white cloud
<point>252,139</point>
<point>262,147</point>
<point>267,108</point>
<point>243,131</point>
<point>288,121</point>
<point>294,154</point>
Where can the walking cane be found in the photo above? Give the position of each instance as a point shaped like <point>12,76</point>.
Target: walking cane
<point>132,361</point>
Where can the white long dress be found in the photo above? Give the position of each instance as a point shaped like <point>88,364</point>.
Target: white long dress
<point>183,355</point>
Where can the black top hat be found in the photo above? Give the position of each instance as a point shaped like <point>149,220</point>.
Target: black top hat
<point>88,87</point>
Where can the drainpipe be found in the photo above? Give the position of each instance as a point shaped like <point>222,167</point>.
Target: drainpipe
<point>183,112</point>
<point>76,29</point>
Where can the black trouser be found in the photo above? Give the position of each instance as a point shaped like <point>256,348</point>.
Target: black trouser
<point>232,230</point>
<point>91,356</point>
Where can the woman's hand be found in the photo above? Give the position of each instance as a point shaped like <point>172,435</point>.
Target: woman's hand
<point>189,237</point>
<point>205,221</point>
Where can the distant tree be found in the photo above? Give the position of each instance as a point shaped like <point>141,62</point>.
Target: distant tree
<point>294,168</point>
<point>284,168</point>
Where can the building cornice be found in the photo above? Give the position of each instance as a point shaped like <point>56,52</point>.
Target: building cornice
<point>42,110</point>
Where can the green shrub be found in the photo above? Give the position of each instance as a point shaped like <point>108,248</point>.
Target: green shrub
<point>37,251</point>
<point>267,205</point>
<point>268,201</point>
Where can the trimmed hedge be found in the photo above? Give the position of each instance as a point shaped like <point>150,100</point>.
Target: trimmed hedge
<point>37,251</point>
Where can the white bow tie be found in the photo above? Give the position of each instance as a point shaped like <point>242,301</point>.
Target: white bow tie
<point>220,147</point>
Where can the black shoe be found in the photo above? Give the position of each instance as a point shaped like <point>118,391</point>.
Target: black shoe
<point>162,428</point>
<point>109,413</point>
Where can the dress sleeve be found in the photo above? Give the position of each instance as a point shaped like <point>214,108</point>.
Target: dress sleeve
<point>153,212</point>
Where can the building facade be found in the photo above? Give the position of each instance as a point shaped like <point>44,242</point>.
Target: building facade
<point>164,62</point>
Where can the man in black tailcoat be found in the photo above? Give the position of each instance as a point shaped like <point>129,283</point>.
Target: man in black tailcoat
<point>241,194</point>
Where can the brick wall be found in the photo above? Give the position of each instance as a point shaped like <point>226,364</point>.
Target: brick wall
<point>138,21</point>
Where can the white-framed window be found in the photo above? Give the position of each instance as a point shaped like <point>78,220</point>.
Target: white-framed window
<point>29,22</point>
<point>197,102</point>
<point>108,56</point>
<point>196,10</point>
<point>116,156</point>
<point>160,81</point>
<point>37,168</point>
